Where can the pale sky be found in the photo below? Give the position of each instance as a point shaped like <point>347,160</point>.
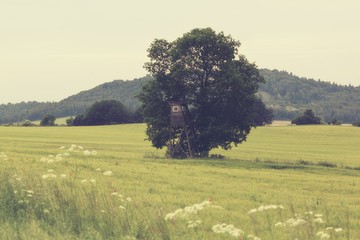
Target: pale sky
<point>51,49</point>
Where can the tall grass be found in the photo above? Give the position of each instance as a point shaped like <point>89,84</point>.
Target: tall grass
<point>113,185</point>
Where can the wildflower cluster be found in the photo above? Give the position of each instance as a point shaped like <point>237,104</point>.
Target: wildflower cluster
<point>227,228</point>
<point>108,173</point>
<point>3,156</point>
<point>89,153</point>
<point>92,181</point>
<point>193,224</point>
<point>187,211</point>
<point>60,156</point>
<point>309,219</point>
<point>263,208</point>
<point>122,199</point>
<point>77,148</point>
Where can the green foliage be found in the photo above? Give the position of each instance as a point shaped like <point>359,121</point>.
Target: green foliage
<point>26,123</point>
<point>285,93</point>
<point>290,95</point>
<point>103,113</point>
<point>48,120</point>
<point>356,124</point>
<point>69,121</point>
<point>201,69</point>
<point>307,118</point>
<point>119,90</point>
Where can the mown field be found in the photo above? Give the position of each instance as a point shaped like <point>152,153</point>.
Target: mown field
<point>285,182</point>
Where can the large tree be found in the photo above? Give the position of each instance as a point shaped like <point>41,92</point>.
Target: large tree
<point>202,69</point>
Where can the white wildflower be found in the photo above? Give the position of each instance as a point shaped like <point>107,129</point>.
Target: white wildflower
<point>318,220</point>
<point>63,175</point>
<point>50,161</point>
<point>250,236</point>
<point>318,215</point>
<point>280,224</point>
<point>80,147</point>
<point>46,211</point>
<point>338,230</point>
<point>193,224</point>
<point>46,176</point>
<point>230,229</point>
<point>265,208</point>
<point>128,199</point>
<point>295,222</point>
<point>103,211</point>
<point>98,169</point>
<point>93,181</point>
<point>66,154</point>
<point>122,208</point>
<point>51,156</point>
<point>189,210</point>
<point>30,191</point>
<point>93,152</point>
<point>170,216</point>
<point>84,181</point>
<point>86,152</point>
<point>62,147</point>
<point>254,210</point>
<point>50,170</point>
<point>3,156</point>
<point>108,173</point>
<point>322,235</point>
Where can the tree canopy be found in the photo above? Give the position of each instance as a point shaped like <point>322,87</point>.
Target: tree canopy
<point>203,69</point>
<point>103,113</point>
<point>48,120</point>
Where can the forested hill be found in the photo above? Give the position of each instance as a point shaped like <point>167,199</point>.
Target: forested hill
<point>123,91</point>
<point>286,93</point>
<point>290,95</point>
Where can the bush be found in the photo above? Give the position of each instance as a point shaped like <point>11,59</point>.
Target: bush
<point>48,120</point>
<point>356,124</point>
<point>308,118</point>
<point>26,123</point>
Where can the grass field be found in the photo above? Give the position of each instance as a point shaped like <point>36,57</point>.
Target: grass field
<point>106,182</point>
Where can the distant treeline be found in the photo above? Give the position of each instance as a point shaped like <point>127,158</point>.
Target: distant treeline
<point>288,95</point>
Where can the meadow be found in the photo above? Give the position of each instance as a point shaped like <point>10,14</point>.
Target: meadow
<point>106,182</point>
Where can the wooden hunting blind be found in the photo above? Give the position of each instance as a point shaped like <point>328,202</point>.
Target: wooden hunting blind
<point>179,119</point>
<point>178,114</point>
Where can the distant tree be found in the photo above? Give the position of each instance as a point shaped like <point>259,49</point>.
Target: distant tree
<point>103,113</point>
<point>48,120</point>
<point>308,118</point>
<point>356,124</point>
<point>69,121</point>
<point>334,122</point>
<point>202,69</point>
